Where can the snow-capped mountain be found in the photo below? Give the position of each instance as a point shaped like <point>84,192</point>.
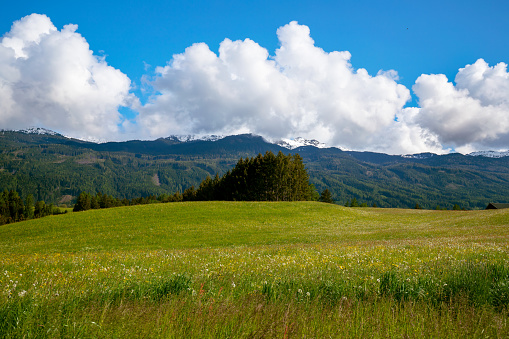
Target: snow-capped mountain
<point>489,154</point>
<point>190,137</point>
<point>90,139</point>
<point>285,142</point>
<point>37,130</point>
<point>418,156</point>
<point>298,142</point>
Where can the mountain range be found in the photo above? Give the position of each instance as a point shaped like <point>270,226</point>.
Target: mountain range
<point>56,169</point>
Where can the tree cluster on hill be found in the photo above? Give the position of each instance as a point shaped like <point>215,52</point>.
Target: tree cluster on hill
<point>263,178</point>
<point>266,177</point>
<point>13,208</point>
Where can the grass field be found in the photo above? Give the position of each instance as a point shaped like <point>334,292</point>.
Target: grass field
<point>256,270</point>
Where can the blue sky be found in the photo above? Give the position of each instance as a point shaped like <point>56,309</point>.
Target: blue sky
<point>410,37</point>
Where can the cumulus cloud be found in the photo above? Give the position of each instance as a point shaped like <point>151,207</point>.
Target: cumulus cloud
<point>300,91</point>
<point>471,115</point>
<point>50,78</point>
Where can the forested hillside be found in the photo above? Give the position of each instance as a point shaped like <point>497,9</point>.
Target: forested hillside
<point>56,169</point>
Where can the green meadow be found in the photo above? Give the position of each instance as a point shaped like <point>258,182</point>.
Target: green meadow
<point>256,270</point>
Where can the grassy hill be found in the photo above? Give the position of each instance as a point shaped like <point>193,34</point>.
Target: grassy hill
<point>225,224</point>
<point>256,270</point>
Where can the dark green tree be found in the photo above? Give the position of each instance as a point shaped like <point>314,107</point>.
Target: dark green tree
<point>205,191</point>
<point>29,207</point>
<point>94,203</point>
<point>16,206</point>
<point>262,178</point>
<point>326,196</point>
<point>189,194</point>
<point>83,203</point>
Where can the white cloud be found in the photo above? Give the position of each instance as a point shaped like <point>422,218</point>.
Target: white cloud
<point>471,115</point>
<point>300,91</point>
<point>50,78</point>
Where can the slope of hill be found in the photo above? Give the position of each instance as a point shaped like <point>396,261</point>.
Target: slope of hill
<point>255,269</point>
<point>55,169</point>
<point>205,224</point>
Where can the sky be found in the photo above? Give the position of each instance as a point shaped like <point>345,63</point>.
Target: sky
<point>397,77</point>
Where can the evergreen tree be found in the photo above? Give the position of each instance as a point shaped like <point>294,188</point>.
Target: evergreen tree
<point>4,207</point>
<point>16,206</point>
<point>94,203</point>
<point>39,209</point>
<point>189,194</point>
<point>83,203</point>
<point>326,196</point>
<point>206,190</point>
<point>29,207</point>
<point>42,210</point>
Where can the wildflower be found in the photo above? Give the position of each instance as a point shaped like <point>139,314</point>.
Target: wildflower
<point>308,294</point>
<point>233,284</point>
<point>22,293</point>
<point>299,291</point>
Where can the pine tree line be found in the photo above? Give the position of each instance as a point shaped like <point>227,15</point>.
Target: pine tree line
<point>87,201</point>
<point>14,209</point>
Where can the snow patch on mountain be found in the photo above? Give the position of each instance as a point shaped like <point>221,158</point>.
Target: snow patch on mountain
<point>37,130</point>
<point>90,139</point>
<point>418,156</point>
<point>299,142</point>
<point>190,137</point>
<point>490,154</point>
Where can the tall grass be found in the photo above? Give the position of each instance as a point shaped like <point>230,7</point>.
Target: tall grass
<point>253,271</point>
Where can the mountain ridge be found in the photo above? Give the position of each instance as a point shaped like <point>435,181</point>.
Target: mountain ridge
<point>51,167</point>
<point>290,144</point>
